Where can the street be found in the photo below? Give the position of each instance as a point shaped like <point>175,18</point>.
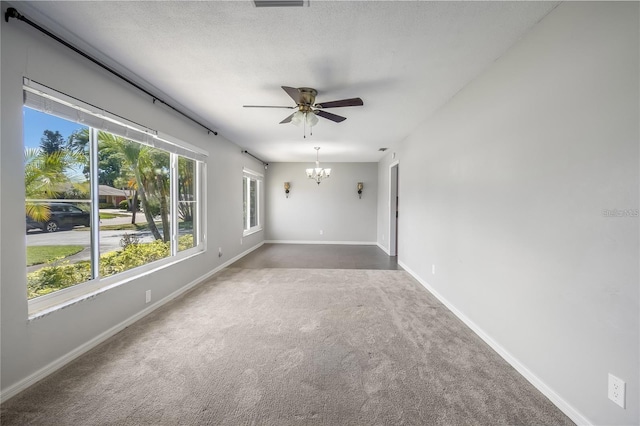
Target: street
<point>109,240</point>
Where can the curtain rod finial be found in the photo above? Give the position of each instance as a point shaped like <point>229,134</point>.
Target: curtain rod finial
<point>11,13</point>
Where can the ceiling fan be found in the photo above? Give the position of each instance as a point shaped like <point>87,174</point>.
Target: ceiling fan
<point>305,98</point>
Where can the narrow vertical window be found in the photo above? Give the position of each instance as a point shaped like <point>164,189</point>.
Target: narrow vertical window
<point>187,204</point>
<point>251,187</point>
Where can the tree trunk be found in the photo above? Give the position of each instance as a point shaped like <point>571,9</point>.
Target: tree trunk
<point>145,206</point>
<point>164,209</point>
<point>133,205</point>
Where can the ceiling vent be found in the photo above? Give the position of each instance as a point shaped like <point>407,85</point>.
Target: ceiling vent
<point>279,3</point>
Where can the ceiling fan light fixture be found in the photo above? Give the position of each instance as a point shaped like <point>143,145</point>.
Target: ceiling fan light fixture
<point>312,120</point>
<point>297,118</point>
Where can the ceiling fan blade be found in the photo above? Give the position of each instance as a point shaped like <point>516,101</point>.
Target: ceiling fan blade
<point>293,92</point>
<point>329,116</point>
<point>288,119</point>
<point>341,103</point>
<point>267,106</point>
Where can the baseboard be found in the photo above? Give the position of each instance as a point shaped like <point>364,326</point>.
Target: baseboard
<point>384,249</point>
<point>347,243</point>
<point>563,405</point>
<point>52,367</point>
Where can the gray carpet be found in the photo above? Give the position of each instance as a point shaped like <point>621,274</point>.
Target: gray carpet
<point>290,347</point>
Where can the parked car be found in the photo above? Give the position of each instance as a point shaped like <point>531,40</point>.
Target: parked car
<point>63,216</point>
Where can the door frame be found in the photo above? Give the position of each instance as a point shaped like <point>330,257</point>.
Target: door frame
<point>393,194</point>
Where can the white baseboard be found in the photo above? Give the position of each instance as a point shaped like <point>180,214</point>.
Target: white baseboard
<point>348,243</point>
<point>563,405</point>
<point>384,249</point>
<point>50,368</point>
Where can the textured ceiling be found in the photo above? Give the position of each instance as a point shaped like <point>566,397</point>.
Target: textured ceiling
<point>404,59</point>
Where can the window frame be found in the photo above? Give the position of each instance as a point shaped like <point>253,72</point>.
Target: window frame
<point>175,148</point>
<point>247,176</point>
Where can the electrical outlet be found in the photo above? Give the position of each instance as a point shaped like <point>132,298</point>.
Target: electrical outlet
<point>321,232</point>
<point>219,251</point>
<point>433,269</point>
<point>616,390</point>
<point>240,241</point>
<point>147,296</point>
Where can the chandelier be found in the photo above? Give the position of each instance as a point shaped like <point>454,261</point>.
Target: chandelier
<point>318,173</point>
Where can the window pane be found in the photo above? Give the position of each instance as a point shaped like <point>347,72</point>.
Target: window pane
<point>137,231</point>
<point>253,203</point>
<point>57,206</point>
<point>187,204</point>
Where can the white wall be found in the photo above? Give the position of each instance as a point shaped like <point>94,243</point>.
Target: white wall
<point>333,206</point>
<point>504,191</point>
<point>28,346</point>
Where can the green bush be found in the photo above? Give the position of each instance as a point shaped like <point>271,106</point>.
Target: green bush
<point>124,205</point>
<point>62,275</point>
<point>105,206</point>
<point>185,242</point>
<point>52,278</point>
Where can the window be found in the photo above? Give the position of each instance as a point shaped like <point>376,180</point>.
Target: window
<point>251,183</point>
<point>105,200</point>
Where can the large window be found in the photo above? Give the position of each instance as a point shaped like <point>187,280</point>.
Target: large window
<point>251,183</point>
<point>104,200</point>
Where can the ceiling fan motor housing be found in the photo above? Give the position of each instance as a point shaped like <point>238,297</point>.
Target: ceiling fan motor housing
<point>307,98</point>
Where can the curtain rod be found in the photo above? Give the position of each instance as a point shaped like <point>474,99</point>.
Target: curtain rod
<point>13,13</point>
<point>250,154</point>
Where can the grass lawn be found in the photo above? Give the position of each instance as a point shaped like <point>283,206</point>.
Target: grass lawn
<point>111,215</point>
<point>43,254</point>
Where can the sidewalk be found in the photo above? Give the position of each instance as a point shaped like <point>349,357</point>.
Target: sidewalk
<point>121,220</point>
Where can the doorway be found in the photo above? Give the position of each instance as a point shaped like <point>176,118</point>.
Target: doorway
<point>393,208</point>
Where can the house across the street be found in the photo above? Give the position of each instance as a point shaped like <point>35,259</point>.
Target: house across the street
<point>111,195</point>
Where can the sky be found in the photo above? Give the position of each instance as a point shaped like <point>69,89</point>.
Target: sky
<point>36,122</point>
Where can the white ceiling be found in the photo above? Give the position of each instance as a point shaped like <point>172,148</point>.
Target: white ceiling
<point>404,59</point>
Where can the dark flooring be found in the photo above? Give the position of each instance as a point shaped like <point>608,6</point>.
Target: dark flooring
<point>318,256</point>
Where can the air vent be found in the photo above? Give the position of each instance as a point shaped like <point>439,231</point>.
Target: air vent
<point>278,3</point>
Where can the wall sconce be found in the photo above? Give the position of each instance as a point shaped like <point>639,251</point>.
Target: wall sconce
<point>286,188</point>
<point>360,186</point>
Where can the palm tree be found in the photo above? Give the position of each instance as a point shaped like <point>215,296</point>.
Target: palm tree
<point>185,188</point>
<point>46,175</point>
<point>132,153</point>
<point>154,168</point>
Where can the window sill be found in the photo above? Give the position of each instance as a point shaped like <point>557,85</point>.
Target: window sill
<point>252,231</point>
